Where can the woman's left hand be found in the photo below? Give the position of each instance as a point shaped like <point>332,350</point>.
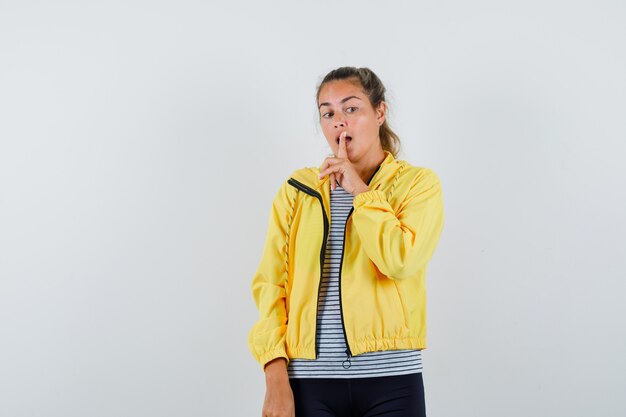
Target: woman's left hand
<point>341,168</point>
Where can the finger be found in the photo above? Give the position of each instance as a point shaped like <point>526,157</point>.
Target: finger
<point>332,169</point>
<point>322,168</point>
<point>332,181</point>
<point>342,153</point>
<point>328,162</point>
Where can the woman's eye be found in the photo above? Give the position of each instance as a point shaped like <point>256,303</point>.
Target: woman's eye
<point>329,114</point>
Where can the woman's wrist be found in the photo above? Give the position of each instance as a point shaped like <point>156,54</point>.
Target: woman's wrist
<point>276,370</point>
<point>360,190</point>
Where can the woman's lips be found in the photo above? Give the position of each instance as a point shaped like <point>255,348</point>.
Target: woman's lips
<point>348,139</point>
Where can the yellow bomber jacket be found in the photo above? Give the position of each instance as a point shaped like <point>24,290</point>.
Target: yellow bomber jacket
<point>390,235</point>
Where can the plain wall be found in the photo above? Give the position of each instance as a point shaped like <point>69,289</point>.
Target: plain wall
<point>141,144</point>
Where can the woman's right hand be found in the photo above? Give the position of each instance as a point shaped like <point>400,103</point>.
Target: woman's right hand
<point>279,400</point>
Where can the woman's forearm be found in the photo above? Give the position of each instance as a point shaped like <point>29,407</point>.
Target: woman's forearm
<point>276,371</point>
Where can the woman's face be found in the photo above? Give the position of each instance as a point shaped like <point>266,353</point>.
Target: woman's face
<point>343,106</point>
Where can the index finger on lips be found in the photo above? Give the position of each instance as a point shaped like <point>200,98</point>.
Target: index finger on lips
<point>342,152</point>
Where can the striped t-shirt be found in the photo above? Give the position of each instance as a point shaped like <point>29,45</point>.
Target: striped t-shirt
<point>332,358</point>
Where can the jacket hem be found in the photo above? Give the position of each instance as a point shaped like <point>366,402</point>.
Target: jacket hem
<point>392,343</point>
<point>364,346</point>
<point>304,352</point>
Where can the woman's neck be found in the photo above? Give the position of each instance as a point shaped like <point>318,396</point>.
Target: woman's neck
<point>366,168</point>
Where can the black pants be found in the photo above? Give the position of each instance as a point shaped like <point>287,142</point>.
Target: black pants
<point>388,396</point>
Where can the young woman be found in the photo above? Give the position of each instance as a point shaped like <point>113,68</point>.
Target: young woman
<point>341,284</point>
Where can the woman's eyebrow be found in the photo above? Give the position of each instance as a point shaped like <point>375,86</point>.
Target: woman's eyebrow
<point>342,101</point>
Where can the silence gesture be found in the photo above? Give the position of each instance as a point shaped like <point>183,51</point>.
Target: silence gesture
<point>340,169</point>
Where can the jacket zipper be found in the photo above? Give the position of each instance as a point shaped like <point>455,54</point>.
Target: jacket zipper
<point>314,193</point>
<point>343,243</point>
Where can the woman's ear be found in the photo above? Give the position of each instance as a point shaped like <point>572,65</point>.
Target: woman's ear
<point>381,111</point>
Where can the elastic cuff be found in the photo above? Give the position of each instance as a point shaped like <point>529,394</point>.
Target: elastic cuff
<point>271,355</point>
<point>371,195</point>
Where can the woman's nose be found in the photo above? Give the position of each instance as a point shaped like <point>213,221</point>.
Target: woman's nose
<point>339,122</point>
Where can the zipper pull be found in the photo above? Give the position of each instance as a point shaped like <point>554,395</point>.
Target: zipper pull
<point>347,360</point>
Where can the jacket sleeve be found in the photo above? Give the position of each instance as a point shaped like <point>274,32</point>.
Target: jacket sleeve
<point>401,243</point>
<point>266,339</point>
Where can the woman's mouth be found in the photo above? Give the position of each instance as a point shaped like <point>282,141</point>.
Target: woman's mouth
<point>348,139</point>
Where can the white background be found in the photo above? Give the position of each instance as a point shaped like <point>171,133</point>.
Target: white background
<point>141,144</point>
